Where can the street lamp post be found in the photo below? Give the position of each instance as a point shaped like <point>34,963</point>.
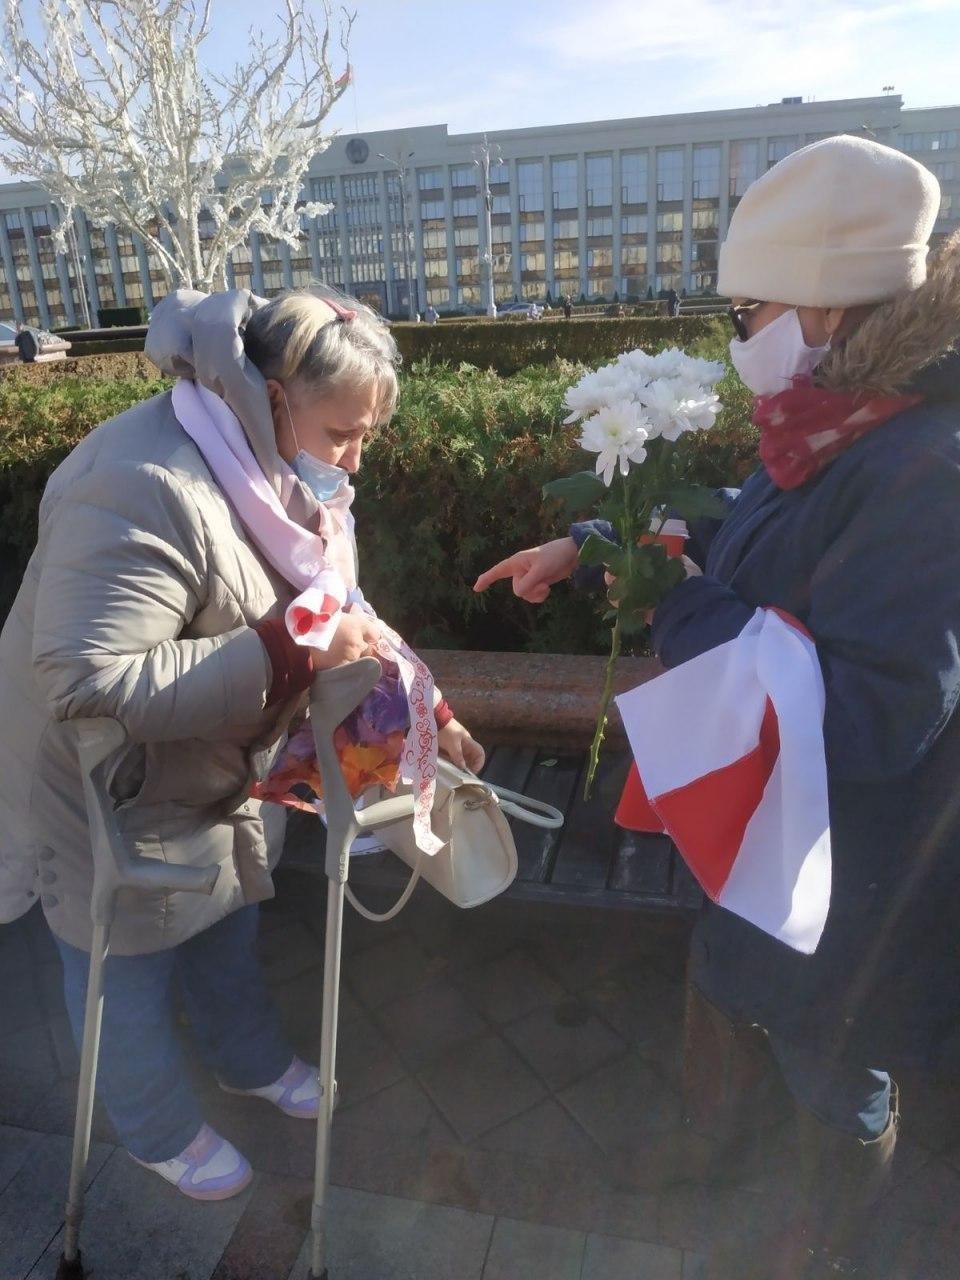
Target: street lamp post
<point>483,155</point>
<point>73,251</point>
<point>401,168</point>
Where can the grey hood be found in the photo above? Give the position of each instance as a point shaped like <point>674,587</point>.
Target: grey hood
<point>200,336</point>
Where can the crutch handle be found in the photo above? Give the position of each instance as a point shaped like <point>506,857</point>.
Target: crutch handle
<point>333,695</point>
<point>100,743</point>
<point>381,814</point>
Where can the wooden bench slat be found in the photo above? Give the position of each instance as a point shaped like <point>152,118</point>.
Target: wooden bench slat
<point>509,766</point>
<point>590,839</point>
<point>643,864</point>
<point>553,779</point>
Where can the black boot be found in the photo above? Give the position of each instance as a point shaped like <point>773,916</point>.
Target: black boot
<point>840,1179</point>
<point>844,1177</point>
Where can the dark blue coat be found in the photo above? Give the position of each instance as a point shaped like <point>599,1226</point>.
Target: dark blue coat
<point>867,556</point>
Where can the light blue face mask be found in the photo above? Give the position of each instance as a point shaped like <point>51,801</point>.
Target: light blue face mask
<point>323,479</point>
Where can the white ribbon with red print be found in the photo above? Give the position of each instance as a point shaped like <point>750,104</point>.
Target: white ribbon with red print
<point>418,765</point>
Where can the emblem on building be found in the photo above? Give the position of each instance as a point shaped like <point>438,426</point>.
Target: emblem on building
<point>357,151</point>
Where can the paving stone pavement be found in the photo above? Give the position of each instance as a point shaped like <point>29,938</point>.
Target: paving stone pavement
<point>500,1072</point>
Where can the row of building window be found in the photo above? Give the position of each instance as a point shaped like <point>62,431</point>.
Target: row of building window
<point>362,208</point>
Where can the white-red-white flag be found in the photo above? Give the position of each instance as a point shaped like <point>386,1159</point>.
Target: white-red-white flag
<point>729,762</point>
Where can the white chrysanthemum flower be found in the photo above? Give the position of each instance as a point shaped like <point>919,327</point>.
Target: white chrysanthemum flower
<point>595,391</point>
<point>617,433</point>
<point>674,407</point>
<point>669,363</point>
<point>661,400</point>
<point>637,363</point>
<point>706,372</point>
<point>700,412</point>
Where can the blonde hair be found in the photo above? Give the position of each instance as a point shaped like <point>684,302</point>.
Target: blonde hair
<point>293,339</point>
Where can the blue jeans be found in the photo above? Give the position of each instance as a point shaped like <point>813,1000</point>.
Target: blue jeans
<point>142,1076</point>
<point>843,1095</point>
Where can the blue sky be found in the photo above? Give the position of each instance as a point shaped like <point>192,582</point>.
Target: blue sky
<point>490,64</point>
<point>507,63</point>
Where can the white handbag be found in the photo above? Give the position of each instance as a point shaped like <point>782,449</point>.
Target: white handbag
<point>479,858</point>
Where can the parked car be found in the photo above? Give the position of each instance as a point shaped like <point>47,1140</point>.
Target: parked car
<point>520,311</point>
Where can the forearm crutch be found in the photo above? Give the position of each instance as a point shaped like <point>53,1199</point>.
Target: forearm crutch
<point>333,696</point>
<point>115,867</point>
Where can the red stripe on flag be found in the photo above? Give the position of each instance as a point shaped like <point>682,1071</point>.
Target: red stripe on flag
<point>707,818</point>
<point>635,812</point>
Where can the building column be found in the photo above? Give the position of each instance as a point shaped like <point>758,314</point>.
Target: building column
<point>286,265</point>
<point>346,269</point>
<point>452,274</point>
<point>416,228</point>
<point>387,241</point>
<point>724,217</point>
<point>110,235</point>
<point>86,257</point>
<point>314,250</point>
<point>616,239</point>
<point>35,270</point>
<point>687,216</point>
<point>143,262</point>
<point>256,266</point>
<point>652,207</point>
<point>582,221</point>
<point>515,249</point>
<point>63,274</point>
<point>8,265</point>
<point>546,164</point>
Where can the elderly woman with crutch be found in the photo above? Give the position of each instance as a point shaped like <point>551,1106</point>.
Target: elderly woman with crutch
<point>851,529</point>
<point>155,601</point>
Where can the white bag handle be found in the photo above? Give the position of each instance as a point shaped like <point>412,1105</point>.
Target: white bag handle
<point>537,813</point>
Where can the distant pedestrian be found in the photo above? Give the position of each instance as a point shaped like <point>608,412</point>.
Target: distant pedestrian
<point>673,302</point>
<point>567,307</point>
<point>431,315</point>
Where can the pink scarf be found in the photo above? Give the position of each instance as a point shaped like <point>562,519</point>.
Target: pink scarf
<point>320,566</point>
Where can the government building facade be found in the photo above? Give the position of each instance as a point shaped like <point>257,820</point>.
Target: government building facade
<point>609,209</point>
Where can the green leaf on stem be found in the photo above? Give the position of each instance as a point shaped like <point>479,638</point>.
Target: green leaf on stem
<point>577,492</point>
<point>601,551</point>
<point>693,502</point>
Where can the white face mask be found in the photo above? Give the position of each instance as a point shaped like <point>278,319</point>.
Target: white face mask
<point>324,480</point>
<point>770,360</point>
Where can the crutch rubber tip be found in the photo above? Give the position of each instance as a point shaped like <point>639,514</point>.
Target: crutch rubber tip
<point>71,1268</point>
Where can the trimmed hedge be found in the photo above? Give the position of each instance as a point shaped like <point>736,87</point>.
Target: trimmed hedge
<point>509,346</point>
<point>110,317</point>
<point>451,486</point>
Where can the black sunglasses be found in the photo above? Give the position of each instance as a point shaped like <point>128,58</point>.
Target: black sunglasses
<point>736,315</point>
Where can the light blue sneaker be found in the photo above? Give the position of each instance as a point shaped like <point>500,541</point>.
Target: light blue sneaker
<point>296,1093</point>
<point>210,1168</point>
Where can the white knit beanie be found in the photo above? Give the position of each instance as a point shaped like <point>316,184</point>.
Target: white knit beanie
<point>841,222</point>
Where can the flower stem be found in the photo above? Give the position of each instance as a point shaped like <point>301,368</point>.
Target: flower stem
<point>601,729</point>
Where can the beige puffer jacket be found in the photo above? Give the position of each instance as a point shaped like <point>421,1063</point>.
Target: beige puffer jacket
<point>138,603</point>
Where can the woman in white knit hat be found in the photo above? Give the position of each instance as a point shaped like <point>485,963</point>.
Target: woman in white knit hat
<point>844,332</point>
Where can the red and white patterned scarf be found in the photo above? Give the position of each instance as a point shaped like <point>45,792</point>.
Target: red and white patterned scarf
<point>806,427</point>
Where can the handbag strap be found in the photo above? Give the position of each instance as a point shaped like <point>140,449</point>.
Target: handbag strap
<point>401,902</point>
<point>535,812</point>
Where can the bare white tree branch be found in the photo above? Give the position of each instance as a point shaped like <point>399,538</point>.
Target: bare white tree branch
<point>114,112</point>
